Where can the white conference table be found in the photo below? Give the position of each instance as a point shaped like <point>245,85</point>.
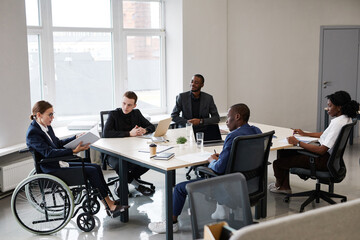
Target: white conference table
<point>127,150</point>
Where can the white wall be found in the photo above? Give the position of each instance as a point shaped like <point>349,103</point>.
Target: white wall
<point>273,56</point>
<point>14,76</point>
<point>174,50</point>
<point>202,49</point>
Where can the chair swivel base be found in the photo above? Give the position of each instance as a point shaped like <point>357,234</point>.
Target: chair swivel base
<point>315,195</point>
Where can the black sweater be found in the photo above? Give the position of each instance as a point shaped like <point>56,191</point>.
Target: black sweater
<point>119,124</point>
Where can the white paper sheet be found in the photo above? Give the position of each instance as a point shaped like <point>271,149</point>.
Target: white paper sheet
<point>301,139</point>
<point>89,137</point>
<point>306,139</point>
<point>195,157</point>
<point>159,149</point>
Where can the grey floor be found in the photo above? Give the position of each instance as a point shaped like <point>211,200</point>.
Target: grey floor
<point>146,209</point>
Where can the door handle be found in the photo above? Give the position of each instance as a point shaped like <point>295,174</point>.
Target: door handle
<point>325,83</point>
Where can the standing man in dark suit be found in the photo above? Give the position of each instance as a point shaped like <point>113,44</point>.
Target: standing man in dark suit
<point>197,107</point>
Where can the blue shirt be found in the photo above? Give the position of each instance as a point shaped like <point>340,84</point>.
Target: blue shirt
<point>219,166</point>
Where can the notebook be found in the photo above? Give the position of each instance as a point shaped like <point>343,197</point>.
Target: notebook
<point>212,135</point>
<point>160,131</point>
<point>163,156</point>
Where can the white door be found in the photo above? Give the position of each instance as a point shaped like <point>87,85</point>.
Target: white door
<point>339,65</point>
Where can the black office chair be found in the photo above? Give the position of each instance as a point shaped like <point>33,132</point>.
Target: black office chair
<point>249,155</point>
<point>103,118</point>
<point>112,180</point>
<point>230,191</point>
<point>336,171</point>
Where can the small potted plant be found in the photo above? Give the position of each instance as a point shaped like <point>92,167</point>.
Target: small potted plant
<point>181,141</point>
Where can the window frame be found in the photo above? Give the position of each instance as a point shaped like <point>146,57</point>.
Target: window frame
<point>119,54</point>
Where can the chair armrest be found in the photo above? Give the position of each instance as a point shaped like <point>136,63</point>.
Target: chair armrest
<point>206,170</point>
<point>65,159</point>
<point>310,154</point>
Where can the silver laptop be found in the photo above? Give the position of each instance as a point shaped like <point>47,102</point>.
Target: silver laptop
<point>160,131</point>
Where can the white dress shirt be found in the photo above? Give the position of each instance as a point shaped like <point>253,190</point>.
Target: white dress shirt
<point>331,133</point>
<point>45,130</point>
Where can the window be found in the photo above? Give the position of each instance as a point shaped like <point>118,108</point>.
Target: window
<point>34,68</point>
<point>83,64</point>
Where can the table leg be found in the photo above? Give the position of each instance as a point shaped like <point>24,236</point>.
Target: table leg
<point>174,178</point>
<point>169,178</point>
<point>123,171</point>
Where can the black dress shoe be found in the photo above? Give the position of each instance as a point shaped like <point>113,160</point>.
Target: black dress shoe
<point>117,211</point>
<point>144,190</point>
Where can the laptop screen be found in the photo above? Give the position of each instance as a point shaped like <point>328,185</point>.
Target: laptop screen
<point>211,132</point>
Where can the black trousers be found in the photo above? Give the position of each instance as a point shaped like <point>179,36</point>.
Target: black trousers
<point>289,158</point>
<point>93,173</point>
<point>135,171</point>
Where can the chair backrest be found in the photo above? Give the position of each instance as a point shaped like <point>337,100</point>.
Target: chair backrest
<point>228,190</point>
<point>103,118</point>
<point>336,163</point>
<point>249,155</point>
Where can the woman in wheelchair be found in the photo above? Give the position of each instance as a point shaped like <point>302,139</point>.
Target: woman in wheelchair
<point>40,138</point>
<point>342,109</point>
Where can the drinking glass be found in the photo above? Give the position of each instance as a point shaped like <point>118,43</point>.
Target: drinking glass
<point>188,130</point>
<point>200,140</point>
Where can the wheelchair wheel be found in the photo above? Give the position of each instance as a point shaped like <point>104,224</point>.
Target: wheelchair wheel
<point>42,204</point>
<point>32,172</point>
<point>94,206</point>
<point>85,222</point>
<point>77,194</point>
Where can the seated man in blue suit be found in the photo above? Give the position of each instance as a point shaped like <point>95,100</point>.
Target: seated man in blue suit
<point>196,107</point>
<point>237,122</point>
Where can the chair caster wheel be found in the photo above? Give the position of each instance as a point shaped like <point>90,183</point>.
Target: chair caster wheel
<point>188,177</point>
<point>152,188</point>
<point>343,200</point>
<point>286,199</point>
<point>94,206</point>
<point>86,222</point>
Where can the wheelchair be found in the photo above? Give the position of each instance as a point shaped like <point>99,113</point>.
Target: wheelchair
<point>45,203</point>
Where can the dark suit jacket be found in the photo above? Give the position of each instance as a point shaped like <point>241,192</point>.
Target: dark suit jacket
<point>208,110</point>
<point>37,140</point>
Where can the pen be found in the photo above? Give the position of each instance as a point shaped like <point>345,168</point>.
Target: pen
<point>214,151</point>
<point>153,156</point>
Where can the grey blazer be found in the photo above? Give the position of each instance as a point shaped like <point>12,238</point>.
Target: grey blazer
<point>208,110</point>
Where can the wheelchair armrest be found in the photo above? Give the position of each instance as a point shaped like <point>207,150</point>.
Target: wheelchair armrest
<point>310,154</point>
<point>65,159</point>
<point>206,170</point>
<point>24,150</point>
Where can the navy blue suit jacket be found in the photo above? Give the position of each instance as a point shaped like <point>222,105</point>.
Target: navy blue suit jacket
<point>37,140</point>
<point>219,166</point>
<point>208,110</point>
